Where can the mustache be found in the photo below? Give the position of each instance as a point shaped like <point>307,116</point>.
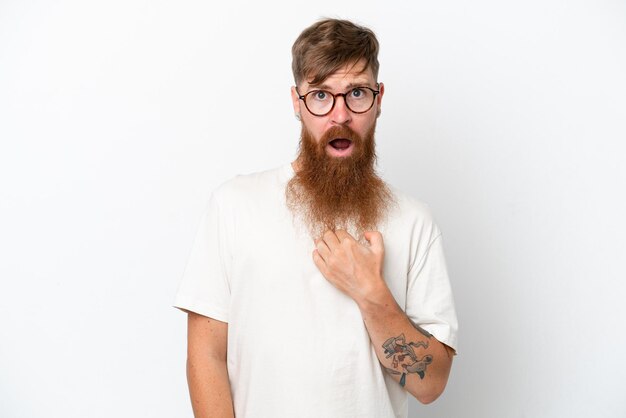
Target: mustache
<point>340,131</point>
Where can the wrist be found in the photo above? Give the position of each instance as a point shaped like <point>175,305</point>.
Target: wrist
<point>377,299</point>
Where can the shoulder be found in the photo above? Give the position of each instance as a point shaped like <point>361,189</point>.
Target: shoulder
<point>411,214</point>
<point>410,208</point>
<point>244,186</point>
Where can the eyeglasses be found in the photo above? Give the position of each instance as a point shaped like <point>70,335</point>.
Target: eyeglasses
<point>322,102</point>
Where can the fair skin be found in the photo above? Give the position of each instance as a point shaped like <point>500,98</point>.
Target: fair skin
<point>357,270</point>
<point>351,267</point>
<point>339,82</point>
<point>207,375</point>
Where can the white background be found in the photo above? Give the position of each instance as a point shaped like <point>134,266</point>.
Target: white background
<point>117,118</point>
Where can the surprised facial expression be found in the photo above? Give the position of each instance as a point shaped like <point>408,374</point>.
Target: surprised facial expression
<point>345,80</point>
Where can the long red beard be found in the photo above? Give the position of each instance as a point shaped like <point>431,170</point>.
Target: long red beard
<point>338,192</point>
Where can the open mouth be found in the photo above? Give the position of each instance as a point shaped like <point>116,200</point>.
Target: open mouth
<point>340,147</point>
<point>340,143</point>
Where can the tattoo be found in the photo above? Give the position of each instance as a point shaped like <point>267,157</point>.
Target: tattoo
<point>419,366</point>
<point>399,349</point>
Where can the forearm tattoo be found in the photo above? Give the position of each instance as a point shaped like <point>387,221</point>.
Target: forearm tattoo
<point>404,358</point>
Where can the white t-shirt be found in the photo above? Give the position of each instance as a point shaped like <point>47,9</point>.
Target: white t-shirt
<point>297,346</point>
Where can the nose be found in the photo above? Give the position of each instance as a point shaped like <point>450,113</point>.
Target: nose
<point>340,113</point>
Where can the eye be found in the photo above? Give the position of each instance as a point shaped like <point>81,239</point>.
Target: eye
<point>320,95</point>
<point>357,93</point>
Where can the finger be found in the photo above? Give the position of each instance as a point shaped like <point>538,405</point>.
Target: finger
<point>322,248</point>
<point>319,262</point>
<point>331,239</point>
<point>343,235</point>
<point>375,239</point>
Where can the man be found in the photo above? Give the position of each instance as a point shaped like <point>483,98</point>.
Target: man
<point>315,289</point>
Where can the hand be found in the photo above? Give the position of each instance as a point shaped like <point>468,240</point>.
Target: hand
<point>353,268</point>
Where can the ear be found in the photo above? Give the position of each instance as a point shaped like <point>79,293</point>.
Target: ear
<point>379,97</point>
<point>295,100</point>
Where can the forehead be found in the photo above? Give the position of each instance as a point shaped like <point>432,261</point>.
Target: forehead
<point>350,75</point>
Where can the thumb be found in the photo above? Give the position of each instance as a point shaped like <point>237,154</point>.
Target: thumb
<point>375,239</point>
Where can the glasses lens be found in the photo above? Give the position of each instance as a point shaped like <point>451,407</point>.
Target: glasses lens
<point>360,99</point>
<point>319,102</point>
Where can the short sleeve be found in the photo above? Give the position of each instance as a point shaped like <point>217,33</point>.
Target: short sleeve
<point>205,287</point>
<point>430,303</point>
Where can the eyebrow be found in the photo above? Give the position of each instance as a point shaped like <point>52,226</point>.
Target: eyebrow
<point>348,87</point>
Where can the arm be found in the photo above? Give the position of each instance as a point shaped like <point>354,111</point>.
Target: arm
<point>207,375</point>
<point>414,358</point>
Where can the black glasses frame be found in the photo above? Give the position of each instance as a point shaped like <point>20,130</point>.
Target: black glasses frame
<point>303,98</point>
